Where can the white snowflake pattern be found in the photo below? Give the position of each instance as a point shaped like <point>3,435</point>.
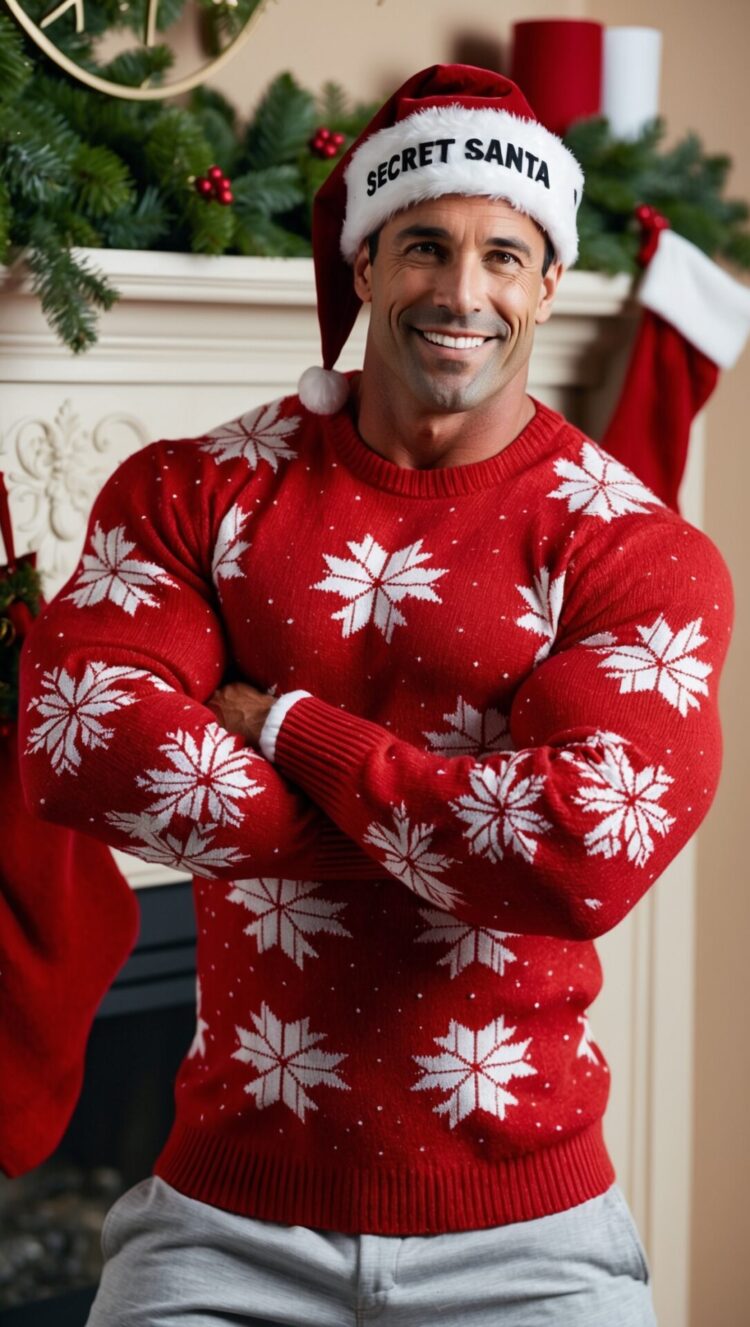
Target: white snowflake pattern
<point>407,856</point>
<point>474,1069</point>
<point>586,1048</point>
<point>286,914</point>
<point>601,486</point>
<point>229,547</point>
<point>109,573</point>
<point>288,1060</point>
<point>72,710</point>
<point>545,599</point>
<point>664,662</point>
<point>376,581</point>
<point>499,810</point>
<point>468,944</point>
<point>198,1044</point>
<point>258,435</point>
<point>472,733</point>
<point>625,799</point>
<point>193,853</point>
<point>210,775</point>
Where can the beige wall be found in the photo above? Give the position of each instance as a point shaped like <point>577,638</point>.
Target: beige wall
<point>370,48</point>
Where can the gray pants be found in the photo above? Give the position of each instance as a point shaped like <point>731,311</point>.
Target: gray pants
<point>175,1262</point>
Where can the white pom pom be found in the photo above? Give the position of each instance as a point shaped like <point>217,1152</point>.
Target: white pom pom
<point>323,391</point>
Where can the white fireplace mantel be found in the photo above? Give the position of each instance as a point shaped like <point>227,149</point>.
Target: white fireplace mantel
<point>194,341</point>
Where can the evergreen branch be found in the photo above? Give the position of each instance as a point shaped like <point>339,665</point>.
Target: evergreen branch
<point>68,290</point>
<point>6,222</point>
<point>137,68</point>
<point>103,182</point>
<point>282,125</point>
<point>262,193</point>
<point>138,227</point>
<point>177,148</point>
<point>15,68</point>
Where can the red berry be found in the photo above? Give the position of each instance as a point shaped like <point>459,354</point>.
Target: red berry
<point>338,139</point>
<point>215,173</point>
<point>225,196</point>
<point>323,134</point>
<point>644,213</point>
<point>330,150</point>
<point>204,186</point>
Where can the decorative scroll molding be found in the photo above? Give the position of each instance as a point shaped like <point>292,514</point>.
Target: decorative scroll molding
<point>54,469</point>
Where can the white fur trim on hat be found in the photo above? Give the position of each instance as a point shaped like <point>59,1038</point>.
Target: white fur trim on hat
<point>686,288</point>
<point>459,150</point>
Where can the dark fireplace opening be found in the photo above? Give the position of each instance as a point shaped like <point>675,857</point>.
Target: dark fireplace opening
<point>51,1218</point>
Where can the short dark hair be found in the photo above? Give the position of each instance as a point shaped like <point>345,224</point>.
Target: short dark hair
<point>549,252</point>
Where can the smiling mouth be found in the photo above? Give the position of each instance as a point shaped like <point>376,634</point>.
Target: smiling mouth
<point>453,342</point>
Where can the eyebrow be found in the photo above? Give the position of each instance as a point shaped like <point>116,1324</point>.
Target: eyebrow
<point>439,233</point>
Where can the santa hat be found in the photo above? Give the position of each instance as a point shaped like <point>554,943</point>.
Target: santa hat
<point>450,129</point>
<point>695,322</point>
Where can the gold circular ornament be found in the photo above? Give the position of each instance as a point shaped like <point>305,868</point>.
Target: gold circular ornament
<point>126,91</point>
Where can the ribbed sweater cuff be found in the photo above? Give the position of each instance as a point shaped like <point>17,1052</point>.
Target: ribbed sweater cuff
<point>322,748</point>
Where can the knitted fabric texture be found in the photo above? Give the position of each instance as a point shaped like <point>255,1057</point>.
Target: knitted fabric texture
<point>512,730</point>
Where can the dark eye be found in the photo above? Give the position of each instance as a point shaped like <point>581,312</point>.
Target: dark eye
<point>426,247</point>
<point>503,257</point>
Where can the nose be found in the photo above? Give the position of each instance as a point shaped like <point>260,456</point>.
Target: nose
<point>460,286</point>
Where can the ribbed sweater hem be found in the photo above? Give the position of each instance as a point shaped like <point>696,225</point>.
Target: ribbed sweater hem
<point>380,1200</point>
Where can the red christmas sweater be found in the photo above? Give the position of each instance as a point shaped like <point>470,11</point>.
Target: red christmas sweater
<point>511,730</point>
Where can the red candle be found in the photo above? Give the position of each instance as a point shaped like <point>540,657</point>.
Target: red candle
<point>557,63</point>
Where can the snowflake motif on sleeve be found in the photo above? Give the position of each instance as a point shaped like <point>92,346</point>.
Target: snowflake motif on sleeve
<point>109,573</point>
<point>545,599</point>
<point>624,799</point>
<point>285,914</point>
<point>472,733</point>
<point>375,581</point>
<point>193,853</point>
<point>407,856</point>
<point>209,775</point>
<point>259,435</point>
<point>468,944</point>
<point>499,810</point>
<point>72,710</point>
<point>198,1044</point>
<point>288,1061</point>
<point>474,1069</point>
<point>601,486</point>
<point>663,662</point>
<point>229,547</point>
<point>586,1048</point>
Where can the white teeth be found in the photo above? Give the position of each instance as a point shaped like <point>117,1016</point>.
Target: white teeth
<point>454,342</point>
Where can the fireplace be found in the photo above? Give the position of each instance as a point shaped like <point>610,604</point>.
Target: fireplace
<point>51,1218</point>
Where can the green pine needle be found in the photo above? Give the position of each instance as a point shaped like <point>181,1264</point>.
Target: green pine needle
<point>103,182</point>
<point>283,123</point>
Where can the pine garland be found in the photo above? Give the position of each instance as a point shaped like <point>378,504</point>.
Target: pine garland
<point>80,169</point>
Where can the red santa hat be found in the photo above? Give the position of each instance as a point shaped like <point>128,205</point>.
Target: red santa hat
<point>450,129</point>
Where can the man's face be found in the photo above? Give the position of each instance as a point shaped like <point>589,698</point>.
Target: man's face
<point>456,290</point>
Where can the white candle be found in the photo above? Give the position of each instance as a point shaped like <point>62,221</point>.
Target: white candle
<point>630,78</point>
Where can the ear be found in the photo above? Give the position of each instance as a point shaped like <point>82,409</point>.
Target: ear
<point>363,273</point>
<point>547,292</point>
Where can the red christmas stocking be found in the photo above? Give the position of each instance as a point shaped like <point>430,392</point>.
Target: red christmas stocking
<point>696,321</point>
<point>68,920</point>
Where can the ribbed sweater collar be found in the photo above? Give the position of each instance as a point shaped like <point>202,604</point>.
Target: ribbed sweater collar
<point>537,439</point>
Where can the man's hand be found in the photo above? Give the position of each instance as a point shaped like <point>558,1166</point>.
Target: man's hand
<point>241,709</point>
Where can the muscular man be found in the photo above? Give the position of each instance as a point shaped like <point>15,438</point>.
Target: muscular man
<point>477,721</point>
